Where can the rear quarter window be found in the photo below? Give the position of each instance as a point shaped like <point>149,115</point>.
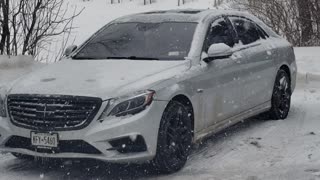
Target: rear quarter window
<point>248,32</point>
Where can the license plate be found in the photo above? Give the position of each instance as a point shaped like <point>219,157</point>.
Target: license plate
<point>44,140</point>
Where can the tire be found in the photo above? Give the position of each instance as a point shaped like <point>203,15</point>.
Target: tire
<point>174,139</point>
<point>22,156</point>
<point>281,97</point>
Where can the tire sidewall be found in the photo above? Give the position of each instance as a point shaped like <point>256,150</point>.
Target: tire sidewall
<point>275,112</point>
<point>161,161</point>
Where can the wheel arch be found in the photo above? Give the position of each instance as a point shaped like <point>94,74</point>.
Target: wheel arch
<point>286,69</point>
<point>187,102</point>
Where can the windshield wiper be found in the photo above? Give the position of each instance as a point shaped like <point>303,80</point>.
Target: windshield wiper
<point>133,58</point>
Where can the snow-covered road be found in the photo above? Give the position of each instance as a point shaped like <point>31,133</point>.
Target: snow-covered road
<point>255,149</point>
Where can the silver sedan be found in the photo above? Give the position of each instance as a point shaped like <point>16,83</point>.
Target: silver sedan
<point>147,86</point>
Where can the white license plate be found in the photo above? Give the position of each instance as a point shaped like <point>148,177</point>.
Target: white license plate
<point>45,140</point>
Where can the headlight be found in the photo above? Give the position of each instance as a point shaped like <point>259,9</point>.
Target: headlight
<point>3,112</point>
<point>128,105</point>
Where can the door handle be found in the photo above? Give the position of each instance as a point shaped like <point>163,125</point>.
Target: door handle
<point>199,90</point>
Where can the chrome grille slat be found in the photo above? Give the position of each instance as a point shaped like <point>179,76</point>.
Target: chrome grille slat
<point>23,114</point>
<point>54,118</point>
<point>13,108</point>
<point>56,112</point>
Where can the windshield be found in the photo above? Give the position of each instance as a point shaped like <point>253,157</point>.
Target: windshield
<point>148,41</point>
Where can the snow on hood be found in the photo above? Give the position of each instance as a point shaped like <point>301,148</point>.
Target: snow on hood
<point>14,67</point>
<point>101,78</point>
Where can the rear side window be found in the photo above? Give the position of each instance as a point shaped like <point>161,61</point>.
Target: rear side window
<point>264,35</point>
<point>248,32</point>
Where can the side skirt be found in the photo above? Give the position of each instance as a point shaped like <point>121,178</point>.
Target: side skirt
<point>231,121</point>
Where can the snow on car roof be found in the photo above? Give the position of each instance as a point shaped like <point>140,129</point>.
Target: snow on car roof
<point>179,15</point>
<point>189,15</point>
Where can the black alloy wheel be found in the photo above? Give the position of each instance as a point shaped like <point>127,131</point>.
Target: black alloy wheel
<point>174,138</point>
<point>281,96</point>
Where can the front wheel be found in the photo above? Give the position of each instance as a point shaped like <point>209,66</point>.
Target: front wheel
<point>174,138</point>
<point>281,96</point>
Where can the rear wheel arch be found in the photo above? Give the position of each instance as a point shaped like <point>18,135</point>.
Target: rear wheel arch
<point>286,69</point>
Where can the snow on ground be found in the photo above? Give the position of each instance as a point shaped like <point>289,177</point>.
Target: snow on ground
<point>306,59</point>
<point>308,63</point>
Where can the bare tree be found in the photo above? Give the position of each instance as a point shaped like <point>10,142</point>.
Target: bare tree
<point>113,1</point>
<point>32,24</point>
<point>181,2</point>
<point>297,20</point>
<point>5,35</point>
<point>145,2</point>
<point>217,2</point>
<point>315,18</point>
<point>305,18</point>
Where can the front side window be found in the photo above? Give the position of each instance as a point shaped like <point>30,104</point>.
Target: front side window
<point>247,31</point>
<point>219,32</point>
<point>154,41</point>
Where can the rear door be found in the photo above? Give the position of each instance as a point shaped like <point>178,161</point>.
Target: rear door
<point>258,63</point>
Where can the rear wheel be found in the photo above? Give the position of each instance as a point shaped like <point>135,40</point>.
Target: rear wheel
<point>174,138</point>
<point>281,96</point>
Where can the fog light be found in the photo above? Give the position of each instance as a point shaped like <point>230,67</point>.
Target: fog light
<point>128,145</point>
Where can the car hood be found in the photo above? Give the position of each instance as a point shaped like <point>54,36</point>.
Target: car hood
<point>100,78</point>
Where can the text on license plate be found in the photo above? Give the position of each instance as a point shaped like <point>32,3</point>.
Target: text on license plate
<point>44,139</point>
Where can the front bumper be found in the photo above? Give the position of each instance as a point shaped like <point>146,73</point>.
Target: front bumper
<point>99,135</point>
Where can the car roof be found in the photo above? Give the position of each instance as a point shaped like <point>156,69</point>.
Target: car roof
<point>189,15</point>
<point>178,15</point>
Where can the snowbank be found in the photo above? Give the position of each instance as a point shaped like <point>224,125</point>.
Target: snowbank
<point>308,62</point>
<point>14,62</point>
<point>14,67</point>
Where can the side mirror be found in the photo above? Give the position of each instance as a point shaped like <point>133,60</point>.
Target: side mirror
<point>218,51</point>
<point>70,50</point>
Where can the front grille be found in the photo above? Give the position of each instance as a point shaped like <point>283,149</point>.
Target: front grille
<point>52,112</point>
<point>70,146</point>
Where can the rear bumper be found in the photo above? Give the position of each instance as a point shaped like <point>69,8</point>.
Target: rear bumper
<point>98,135</point>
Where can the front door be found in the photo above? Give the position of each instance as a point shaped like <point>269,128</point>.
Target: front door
<point>220,80</point>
